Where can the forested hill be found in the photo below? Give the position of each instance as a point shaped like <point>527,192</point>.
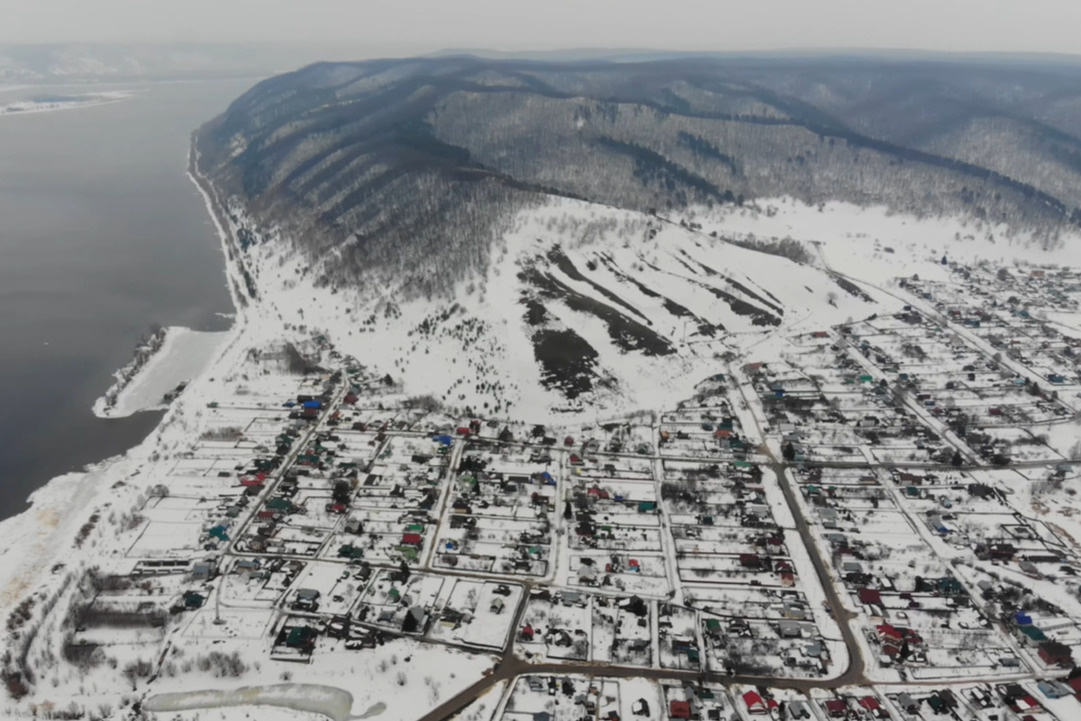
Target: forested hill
<point>410,165</point>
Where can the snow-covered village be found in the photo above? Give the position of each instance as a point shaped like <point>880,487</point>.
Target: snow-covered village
<point>872,518</point>
<point>661,389</point>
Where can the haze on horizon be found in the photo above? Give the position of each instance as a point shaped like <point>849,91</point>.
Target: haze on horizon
<point>405,27</point>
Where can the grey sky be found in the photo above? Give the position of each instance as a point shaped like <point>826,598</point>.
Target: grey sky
<point>395,27</point>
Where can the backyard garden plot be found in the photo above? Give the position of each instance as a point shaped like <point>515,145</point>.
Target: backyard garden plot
<point>731,569</point>
<point>632,643</point>
<point>399,452</point>
<point>478,613</point>
<point>296,540</point>
<point>731,600</point>
<point>117,639</point>
<point>533,695</point>
<point>573,698</point>
<point>257,587</point>
<point>644,569</point>
<point>1014,408</point>
<point>677,638</point>
<point>338,591</point>
<point>901,450</point>
<point>629,514</point>
<point>694,470</point>
<point>784,648</point>
<point>641,574</point>
<point>681,444</point>
<point>169,539</point>
<point>746,602</point>
<point>698,702</point>
<point>359,448</point>
<point>827,453</point>
<point>559,627</point>
<point>211,463</point>
<point>524,504</point>
<point>372,417</point>
<point>603,630</point>
<point>498,537</point>
<point>723,540</point>
<point>380,518</point>
<point>389,598</point>
<point>274,586</point>
<point>886,525</point>
<point>313,500</point>
<point>960,654</point>
<point>263,426</point>
<point>617,490</point>
<point>468,562</point>
<point>384,548</point>
<point>372,488</point>
<point>492,558</point>
<point>611,537</point>
<point>181,509</point>
<point>626,468</point>
<point>636,438</point>
<point>700,424</point>
<point>689,416</point>
<point>1023,443</point>
<point>245,417</point>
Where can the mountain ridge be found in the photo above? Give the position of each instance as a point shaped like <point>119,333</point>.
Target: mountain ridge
<point>336,141</point>
<point>401,188</point>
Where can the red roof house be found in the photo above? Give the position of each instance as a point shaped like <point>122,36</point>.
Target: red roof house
<point>871,596</point>
<point>836,708</point>
<point>679,709</point>
<point>754,702</point>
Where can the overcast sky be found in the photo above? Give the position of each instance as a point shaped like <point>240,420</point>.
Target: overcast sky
<point>397,27</point>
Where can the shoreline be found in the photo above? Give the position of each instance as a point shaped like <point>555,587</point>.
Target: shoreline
<point>87,100</point>
<point>145,353</point>
<point>54,511</point>
<point>182,355</point>
<point>147,371</point>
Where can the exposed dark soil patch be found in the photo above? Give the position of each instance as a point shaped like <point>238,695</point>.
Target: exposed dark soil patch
<point>741,307</point>
<point>564,264</point>
<point>567,361</point>
<point>627,333</point>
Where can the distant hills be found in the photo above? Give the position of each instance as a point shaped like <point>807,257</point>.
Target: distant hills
<point>94,62</point>
<point>409,163</point>
<point>496,226</point>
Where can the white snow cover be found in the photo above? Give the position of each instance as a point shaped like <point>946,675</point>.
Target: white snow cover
<point>182,356</point>
<point>73,102</point>
<point>645,262</point>
<point>38,552</point>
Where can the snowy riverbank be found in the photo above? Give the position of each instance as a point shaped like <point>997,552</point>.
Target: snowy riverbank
<point>65,102</point>
<point>182,355</point>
